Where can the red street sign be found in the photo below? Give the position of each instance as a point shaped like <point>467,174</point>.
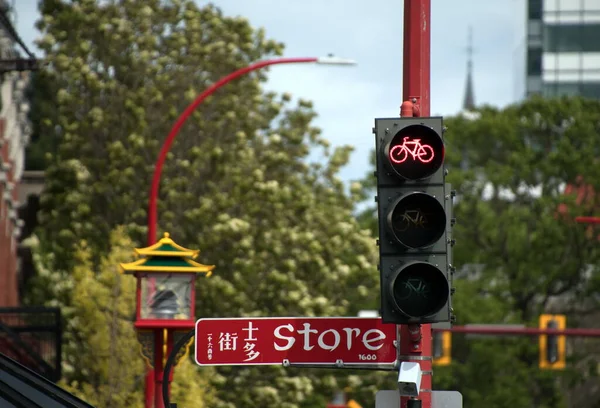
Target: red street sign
<point>294,340</point>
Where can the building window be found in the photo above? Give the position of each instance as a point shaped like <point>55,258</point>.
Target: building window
<point>534,61</point>
<point>569,5</point>
<point>549,90</point>
<point>585,89</point>
<point>534,33</point>
<point>554,89</point>
<point>590,37</point>
<point>591,4</point>
<point>572,38</point>
<point>590,90</point>
<point>534,9</point>
<point>534,84</point>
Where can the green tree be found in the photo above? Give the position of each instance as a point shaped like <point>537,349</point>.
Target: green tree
<point>237,184</point>
<point>99,337</point>
<point>516,232</point>
<point>41,94</point>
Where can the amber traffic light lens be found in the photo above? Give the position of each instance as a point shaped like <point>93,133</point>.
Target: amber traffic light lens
<point>417,220</point>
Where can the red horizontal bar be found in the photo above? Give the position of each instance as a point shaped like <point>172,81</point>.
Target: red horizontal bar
<point>588,220</point>
<point>164,324</point>
<point>526,331</point>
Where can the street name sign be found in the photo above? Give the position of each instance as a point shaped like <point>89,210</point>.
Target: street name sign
<point>295,340</point>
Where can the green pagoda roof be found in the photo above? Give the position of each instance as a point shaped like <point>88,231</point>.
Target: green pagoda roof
<point>167,247</point>
<point>166,256</point>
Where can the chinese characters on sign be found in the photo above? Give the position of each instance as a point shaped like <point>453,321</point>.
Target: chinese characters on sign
<point>250,344</point>
<point>326,340</point>
<point>228,342</point>
<point>209,345</point>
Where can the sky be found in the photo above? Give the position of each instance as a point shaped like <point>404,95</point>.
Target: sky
<point>347,99</point>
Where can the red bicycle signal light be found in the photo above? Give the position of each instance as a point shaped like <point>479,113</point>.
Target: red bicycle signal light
<point>419,290</point>
<point>419,152</point>
<point>415,152</point>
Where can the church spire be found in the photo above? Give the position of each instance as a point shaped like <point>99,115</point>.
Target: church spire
<point>469,101</point>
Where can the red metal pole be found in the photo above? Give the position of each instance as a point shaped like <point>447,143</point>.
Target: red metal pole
<point>416,60</point>
<point>523,331</point>
<point>588,220</point>
<point>153,198</point>
<point>149,388</point>
<point>152,374</point>
<point>415,340</point>
<point>152,201</point>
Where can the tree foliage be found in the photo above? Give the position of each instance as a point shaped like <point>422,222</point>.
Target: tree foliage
<point>518,251</point>
<point>99,338</point>
<point>513,204</point>
<point>237,183</point>
<point>40,92</point>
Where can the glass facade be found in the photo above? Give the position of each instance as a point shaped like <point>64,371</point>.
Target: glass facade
<point>563,48</point>
<point>534,11</point>
<point>534,61</point>
<point>572,38</point>
<point>587,89</point>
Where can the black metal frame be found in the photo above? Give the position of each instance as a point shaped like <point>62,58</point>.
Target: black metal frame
<point>52,372</point>
<point>21,395</point>
<point>169,366</point>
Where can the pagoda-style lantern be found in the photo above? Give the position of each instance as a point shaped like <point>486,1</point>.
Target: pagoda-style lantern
<point>166,275</point>
<point>166,288</point>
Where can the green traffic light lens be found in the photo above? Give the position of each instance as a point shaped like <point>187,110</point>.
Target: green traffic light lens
<point>419,290</point>
<point>417,220</point>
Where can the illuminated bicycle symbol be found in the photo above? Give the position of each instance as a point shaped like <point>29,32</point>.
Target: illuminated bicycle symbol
<point>414,286</point>
<point>410,218</point>
<point>422,152</point>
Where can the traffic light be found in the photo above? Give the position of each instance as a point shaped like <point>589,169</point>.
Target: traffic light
<point>414,204</point>
<point>442,348</point>
<point>553,349</point>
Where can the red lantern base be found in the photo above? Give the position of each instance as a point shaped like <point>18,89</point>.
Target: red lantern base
<point>159,324</point>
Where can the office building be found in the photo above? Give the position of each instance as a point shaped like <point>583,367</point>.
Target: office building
<point>563,48</point>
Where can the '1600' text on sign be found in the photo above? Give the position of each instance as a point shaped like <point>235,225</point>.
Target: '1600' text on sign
<point>273,340</point>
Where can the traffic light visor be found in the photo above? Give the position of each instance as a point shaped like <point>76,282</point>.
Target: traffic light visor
<point>420,289</point>
<point>417,220</point>
<point>415,152</point>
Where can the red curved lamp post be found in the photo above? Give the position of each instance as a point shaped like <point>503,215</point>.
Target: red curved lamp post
<point>153,392</point>
<point>152,202</point>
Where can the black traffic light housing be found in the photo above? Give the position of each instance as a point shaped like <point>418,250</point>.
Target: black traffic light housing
<point>414,211</point>
<point>552,343</point>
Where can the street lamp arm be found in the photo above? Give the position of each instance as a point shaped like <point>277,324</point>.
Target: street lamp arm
<point>331,60</point>
<point>152,202</point>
